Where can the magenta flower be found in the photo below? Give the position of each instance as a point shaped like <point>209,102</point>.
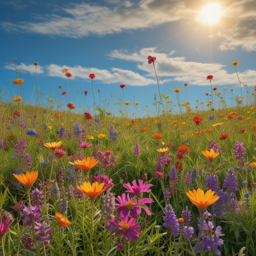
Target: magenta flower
<point>151,59</point>
<point>3,227</point>
<point>64,93</point>
<point>85,145</point>
<point>102,179</point>
<point>128,228</point>
<point>127,206</point>
<point>137,190</point>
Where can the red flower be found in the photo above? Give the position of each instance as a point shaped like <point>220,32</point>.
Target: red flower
<point>223,137</point>
<point>242,130</point>
<point>92,76</point>
<point>16,113</point>
<point>85,93</point>
<point>240,117</point>
<point>214,89</point>
<point>197,119</point>
<point>209,77</point>
<point>59,153</point>
<point>70,106</point>
<point>11,137</point>
<point>151,59</point>
<point>88,115</point>
<point>240,102</point>
<point>3,120</point>
<point>122,86</point>
<point>183,149</point>
<point>5,144</point>
<point>170,144</point>
<point>180,156</point>
<point>10,118</point>
<point>68,74</point>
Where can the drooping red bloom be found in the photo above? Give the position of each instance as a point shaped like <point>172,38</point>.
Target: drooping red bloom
<point>214,89</point>
<point>209,77</point>
<point>85,93</point>
<point>197,119</point>
<point>183,149</point>
<point>223,136</point>
<point>68,74</point>
<point>122,86</point>
<point>88,115</point>
<point>70,106</point>
<point>151,59</point>
<point>92,76</point>
<point>180,156</point>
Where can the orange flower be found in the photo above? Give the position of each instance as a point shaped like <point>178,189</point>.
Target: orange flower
<point>10,118</point>
<point>210,154</point>
<point>185,84</point>
<point>144,129</point>
<point>183,149</point>
<point>214,89</point>
<point>254,127</point>
<point>3,121</point>
<point>248,118</point>
<point>150,119</point>
<point>240,117</point>
<point>53,145</point>
<point>70,106</point>
<point>132,122</point>
<point>163,150</point>
<point>157,136</point>
<point>203,132</point>
<point>62,220</point>
<point>175,122</point>
<point>60,86</point>
<point>27,179</point>
<point>41,129</point>
<point>86,164</point>
<point>92,190</point>
<point>201,200</point>
<point>209,130</point>
<point>18,81</point>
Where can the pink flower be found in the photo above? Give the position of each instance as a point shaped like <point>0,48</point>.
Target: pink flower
<point>92,76</point>
<point>102,179</point>
<point>3,227</point>
<point>85,145</point>
<point>158,175</point>
<point>59,153</point>
<point>64,93</point>
<point>151,59</point>
<point>129,207</point>
<point>126,227</point>
<point>108,153</point>
<point>209,77</point>
<point>137,190</point>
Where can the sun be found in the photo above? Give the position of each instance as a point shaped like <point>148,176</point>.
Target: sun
<point>211,13</point>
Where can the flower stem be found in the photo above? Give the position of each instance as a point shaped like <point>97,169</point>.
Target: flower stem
<point>3,245</point>
<point>92,221</point>
<point>51,166</point>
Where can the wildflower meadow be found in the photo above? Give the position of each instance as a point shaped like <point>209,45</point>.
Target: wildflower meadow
<point>175,180</point>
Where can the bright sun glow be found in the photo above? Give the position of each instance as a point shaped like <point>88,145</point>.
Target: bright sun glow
<point>211,13</point>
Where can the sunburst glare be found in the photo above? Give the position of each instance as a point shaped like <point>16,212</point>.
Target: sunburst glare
<point>211,13</point>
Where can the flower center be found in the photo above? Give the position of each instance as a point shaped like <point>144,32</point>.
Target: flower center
<point>125,226</point>
<point>129,205</point>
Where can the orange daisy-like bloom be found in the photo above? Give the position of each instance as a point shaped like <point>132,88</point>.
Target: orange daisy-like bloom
<point>157,136</point>
<point>209,130</point>
<point>18,81</point>
<point>254,127</point>
<point>183,149</point>
<point>144,129</point>
<point>177,90</point>
<point>201,200</point>
<point>86,164</point>
<point>248,118</point>
<point>175,122</point>
<point>17,98</point>
<point>27,179</point>
<point>53,145</point>
<point>210,154</point>
<point>163,150</point>
<point>132,122</point>
<point>62,220</point>
<point>92,190</point>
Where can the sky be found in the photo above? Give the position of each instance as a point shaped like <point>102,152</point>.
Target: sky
<point>113,38</point>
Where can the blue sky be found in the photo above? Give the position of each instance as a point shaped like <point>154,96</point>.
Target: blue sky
<point>113,38</point>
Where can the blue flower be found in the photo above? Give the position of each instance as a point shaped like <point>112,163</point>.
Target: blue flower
<point>31,132</point>
<point>211,117</point>
<point>186,141</point>
<point>45,126</point>
<point>13,157</point>
<point>9,128</point>
<point>159,126</point>
<point>246,195</point>
<point>1,144</point>
<point>45,164</point>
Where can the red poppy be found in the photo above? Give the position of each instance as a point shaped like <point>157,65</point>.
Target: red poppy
<point>10,118</point>
<point>151,59</point>
<point>16,113</point>
<point>197,119</point>
<point>70,106</point>
<point>68,74</point>
<point>209,77</point>
<point>213,109</point>
<point>85,93</point>
<point>92,76</point>
<point>180,156</point>
<point>3,121</point>
<point>214,89</point>
<point>223,137</point>
<point>5,144</point>
<point>242,130</point>
<point>11,137</point>
<point>170,144</point>
<point>122,86</point>
<point>88,115</point>
<point>183,149</point>
<point>240,102</point>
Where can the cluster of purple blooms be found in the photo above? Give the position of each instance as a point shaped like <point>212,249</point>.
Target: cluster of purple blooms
<point>213,145</point>
<point>112,133</point>
<point>240,153</point>
<point>129,207</point>
<point>106,159</point>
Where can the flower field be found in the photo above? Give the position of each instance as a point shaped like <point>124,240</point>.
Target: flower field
<point>180,181</point>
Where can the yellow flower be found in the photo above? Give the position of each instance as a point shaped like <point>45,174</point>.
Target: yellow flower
<point>218,124</point>
<point>253,165</point>
<point>53,145</point>
<point>163,150</point>
<point>235,63</point>
<point>50,127</point>
<point>210,154</point>
<point>101,136</point>
<point>167,96</point>
<point>168,102</point>
<point>17,98</point>
<point>137,103</point>
<point>127,103</point>
<point>89,137</point>
<point>218,94</point>
<point>177,90</point>
<point>51,100</point>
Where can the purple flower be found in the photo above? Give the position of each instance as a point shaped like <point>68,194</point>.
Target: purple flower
<point>79,194</point>
<point>186,215</point>
<point>188,232</point>
<point>108,205</point>
<point>19,206</point>
<point>78,129</point>
<point>136,150</point>
<point>112,133</point>
<point>212,182</point>
<point>171,221</point>
<point>37,197</point>
<point>220,205</point>
<point>20,146</point>
<point>239,152</point>
<point>30,216</point>
<point>137,190</point>
<point>126,227</point>
<point>173,175</point>
<point>31,132</point>
<point>230,181</point>
<point>159,165</point>
<point>215,147</point>
<point>188,179</point>
<point>42,232</point>
<point>102,179</point>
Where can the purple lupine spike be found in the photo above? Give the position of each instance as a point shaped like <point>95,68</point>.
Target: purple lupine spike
<point>159,165</point>
<point>42,232</point>
<point>173,175</point>
<point>188,232</point>
<point>31,216</point>
<point>220,205</point>
<point>230,181</point>
<point>188,179</point>
<point>136,150</point>
<point>20,146</point>
<point>186,215</point>
<point>37,197</point>
<point>212,182</point>
<point>170,220</point>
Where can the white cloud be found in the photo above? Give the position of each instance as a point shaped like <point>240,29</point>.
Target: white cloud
<point>84,19</point>
<point>178,69</point>
<point>25,68</point>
